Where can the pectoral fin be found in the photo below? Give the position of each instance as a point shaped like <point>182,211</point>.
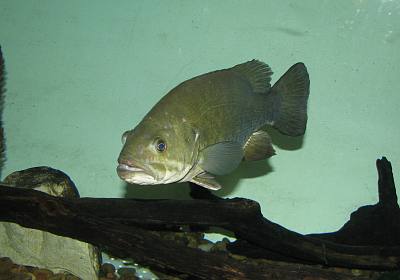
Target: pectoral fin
<point>221,158</point>
<point>258,146</point>
<point>207,181</point>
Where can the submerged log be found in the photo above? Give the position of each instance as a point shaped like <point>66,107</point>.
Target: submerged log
<point>371,225</point>
<point>150,248</point>
<point>377,225</point>
<point>125,228</point>
<point>37,248</point>
<point>2,93</point>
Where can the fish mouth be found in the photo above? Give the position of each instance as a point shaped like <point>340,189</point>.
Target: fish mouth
<point>126,168</point>
<point>133,172</point>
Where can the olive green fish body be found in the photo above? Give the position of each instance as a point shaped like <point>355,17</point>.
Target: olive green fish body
<point>206,125</point>
<point>221,105</point>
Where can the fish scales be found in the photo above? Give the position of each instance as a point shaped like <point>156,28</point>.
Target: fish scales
<point>220,104</point>
<point>207,125</point>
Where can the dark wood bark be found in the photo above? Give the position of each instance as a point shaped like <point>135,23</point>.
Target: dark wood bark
<point>144,246</point>
<point>121,226</point>
<point>371,225</point>
<point>2,93</point>
<point>377,225</point>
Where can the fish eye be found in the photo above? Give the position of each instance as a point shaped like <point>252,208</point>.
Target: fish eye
<point>161,146</point>
<point>124,136</point>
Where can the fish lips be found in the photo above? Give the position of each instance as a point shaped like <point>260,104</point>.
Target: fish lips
<point>132,173</point>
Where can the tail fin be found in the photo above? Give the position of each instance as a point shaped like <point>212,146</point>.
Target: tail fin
<point>292,91</point>
<point>2,91</point>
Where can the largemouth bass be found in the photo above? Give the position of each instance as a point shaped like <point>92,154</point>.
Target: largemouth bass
<point>207,125</point>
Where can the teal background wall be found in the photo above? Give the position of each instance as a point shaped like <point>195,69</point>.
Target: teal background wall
<point>82,72</point>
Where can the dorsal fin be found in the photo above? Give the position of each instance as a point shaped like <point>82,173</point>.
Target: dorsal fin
<point>257,73</point>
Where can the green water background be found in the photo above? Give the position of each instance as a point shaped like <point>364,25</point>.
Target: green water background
<point>82,72</point>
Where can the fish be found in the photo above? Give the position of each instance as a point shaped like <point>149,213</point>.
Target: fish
<point>207,125</point>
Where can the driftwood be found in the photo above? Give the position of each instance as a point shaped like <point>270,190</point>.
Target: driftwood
<point>2,93</point>
<point>128,228</point>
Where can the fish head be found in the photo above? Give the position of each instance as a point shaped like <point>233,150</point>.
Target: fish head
<point>157,153</point>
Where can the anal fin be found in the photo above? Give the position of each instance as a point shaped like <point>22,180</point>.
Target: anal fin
<point>258,146</point>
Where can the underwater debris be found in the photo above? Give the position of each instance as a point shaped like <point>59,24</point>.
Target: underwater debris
<point>2,93</point>
<point>139,234</point>
<point>11,271</point>
<point>36,248</point>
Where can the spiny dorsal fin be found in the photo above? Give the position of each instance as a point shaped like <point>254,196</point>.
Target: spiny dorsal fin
<point>257,73</point>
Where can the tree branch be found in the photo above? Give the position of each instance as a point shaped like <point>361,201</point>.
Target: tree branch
<point>121,226</point>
